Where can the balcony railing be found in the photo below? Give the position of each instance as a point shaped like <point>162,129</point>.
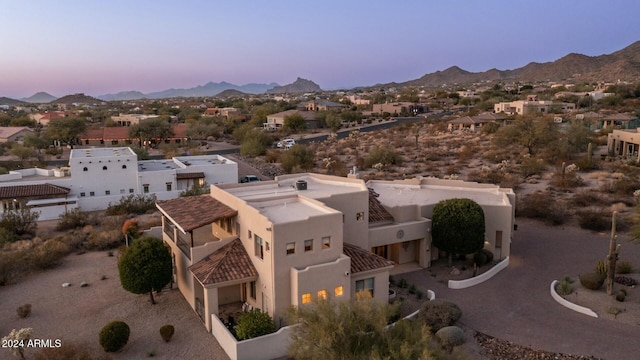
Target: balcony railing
<point>184,244</point>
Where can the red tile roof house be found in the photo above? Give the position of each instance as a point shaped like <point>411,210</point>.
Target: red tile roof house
<point>275,244</point>
<point>119,135</point>
<point>97,177</point>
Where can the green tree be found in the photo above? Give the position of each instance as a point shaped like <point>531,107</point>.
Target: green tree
<point>22,152</point>
<point>358,329</point>
<point>157,129</point>
<point>294,122</point>
<point>20,221</point>
<point>532,133</point>
<point>333,121</point>
<point>145,267</point>
<point>36,141</point>
<point>457,227</point>
<point>253,324</point>
<point>299,157</point>
<point>66,130</point>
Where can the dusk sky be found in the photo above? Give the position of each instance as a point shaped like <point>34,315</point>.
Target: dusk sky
<point>100,47</point>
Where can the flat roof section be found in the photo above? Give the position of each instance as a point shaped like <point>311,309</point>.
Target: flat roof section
<point>290,209</point>
<point>100,152</point>
<point>203,160</point>
<point>156,165</point>
<point>318,187</point>
<point>395,194</point>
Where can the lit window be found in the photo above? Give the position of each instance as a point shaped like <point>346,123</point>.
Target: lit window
<point>365,285</point>
<point>326,242</point>
<point>322,295</point>
<point>360,216</point>
<point>259,247</point>
<point>306,298</point>
<point>291,248</point>
<point>338,291</point>
<point>308,245</point>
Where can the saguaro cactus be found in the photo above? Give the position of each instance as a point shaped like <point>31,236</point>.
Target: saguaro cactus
<point>614,250</point>
<point>589,154</point>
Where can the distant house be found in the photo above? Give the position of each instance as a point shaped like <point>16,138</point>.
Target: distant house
<point>624,121</point>
<point>131,119</point>
<point>44,118</point>
<point>276,121</point>
<point>532,105</point>
<point>13,133</point>
<point>399,108</point>
<point>323,105</point>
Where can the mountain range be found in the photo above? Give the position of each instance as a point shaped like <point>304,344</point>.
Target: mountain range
<point>620,65</point>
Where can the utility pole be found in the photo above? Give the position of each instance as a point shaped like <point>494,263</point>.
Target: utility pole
<point>613,255</point>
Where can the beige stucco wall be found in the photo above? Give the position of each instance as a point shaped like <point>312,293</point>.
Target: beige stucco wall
<point>350,204</point>
<point>380,283</point>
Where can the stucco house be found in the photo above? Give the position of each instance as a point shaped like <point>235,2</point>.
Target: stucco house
<point>13,133</point>
<point>624,143</point>
<point>97,177</point>
<point>274,244</point>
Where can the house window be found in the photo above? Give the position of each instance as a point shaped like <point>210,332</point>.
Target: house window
<point>308,245</point>
<point>259,247</point>
<point>83,194</point>
<point>326,242</point>
<point>338,291</point>
<point>130,191</point>
<point>104,167</point>
<point>306,298</point>
<point>360,216</point>
<point>250,235</point>
<point>107,192</point>
<point>85,169</point>
<point>266,246</point>
<point>121,191</point>
<point>145,188</point>
<point>92,193</point>
<point>291,248</point>
<point>322,295</point>
<point>123,166</point>
<point>365,285</point>
<point>252,290</point>
<point>168,186</point>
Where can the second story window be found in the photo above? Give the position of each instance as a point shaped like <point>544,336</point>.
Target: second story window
<point>360,216</point>
<point>308,245</point>
<point>291,248</point>
<point>326,242</point>
<point>259,246</point>
<point>145,188</point>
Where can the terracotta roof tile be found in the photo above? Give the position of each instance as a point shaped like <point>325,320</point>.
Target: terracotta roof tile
<point>230,262</point>
<point>192,212</point>
<point>190,175</point>
<point>363,260</point>
<point>35,190</point>
<point>377,212</point>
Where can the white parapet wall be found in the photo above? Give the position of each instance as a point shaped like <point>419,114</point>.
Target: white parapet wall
<point>462,284</point>
<point>569,304</point>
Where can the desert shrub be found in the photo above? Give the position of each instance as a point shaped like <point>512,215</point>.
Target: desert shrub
<point>20,222</point>
<point>12,265</point>
<point>133,204</point>
<point>114,336</point>
<point>412,289</point>
<point>272,156</point>
<point>403,283</point>
<point>594,219</point>
<point>543,206</point>
<point>48,254</point>
<point>382,155</point>
<point>592,281</point>
<point>625,280</point>
<point>564,286</point>
<point>624,267</point>
<point>584,198</point>
<point>297,159</point>
<point>439,313</point>
<point>253,324</point>
<point>75,218</point>
<point>252,147</point>
<point>532,166</point>
<point>490,128</point>
<point>105,240</point>
<point>166,332</point>
<point>68,351</point>
<point>601,268</point>
<point>480,259</point>
<point>450,336</point>
<point>620,296</point>
<point>24,311</point>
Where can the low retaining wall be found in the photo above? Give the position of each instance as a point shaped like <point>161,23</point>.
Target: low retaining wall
<point>568,304</point>
<point>462,284</point>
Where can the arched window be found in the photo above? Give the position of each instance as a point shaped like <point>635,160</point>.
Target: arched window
<point>104,168</point>
<point>85,169</point>
<point>124,166</point>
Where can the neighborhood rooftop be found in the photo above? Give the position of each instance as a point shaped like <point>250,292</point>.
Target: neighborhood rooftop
<point>290,209</point>
<point>101,152</point>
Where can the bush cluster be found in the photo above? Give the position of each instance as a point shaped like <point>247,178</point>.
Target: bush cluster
<point>133,204</point>
<point>483,257</point>
<point>76,218</point>
<point>592,281</point>
<point>439,313</point>
<point>543,206</point>
<point>114,336</point>
<point>24,311</point>
<point>595,219</point>
<point>624,267</point>
<point>450,336</point>
<point>382,155</point>
<point>564,286</point>
<point>253,324</point>
<point>166,332</point>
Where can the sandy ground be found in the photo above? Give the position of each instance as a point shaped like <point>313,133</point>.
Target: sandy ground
<point>76,314</point>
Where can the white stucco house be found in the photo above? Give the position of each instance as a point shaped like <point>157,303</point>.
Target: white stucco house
<point>97,177</point>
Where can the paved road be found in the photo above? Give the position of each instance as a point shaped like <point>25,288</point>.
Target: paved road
<point>515,305</point>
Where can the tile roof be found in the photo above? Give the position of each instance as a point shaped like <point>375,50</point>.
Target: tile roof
<point>377,212</point>
<point>9,131</point>
<point>620,117</point>
<point>190,175</point>
<point>192,212</point>
<point>363,260</point>
<point>230,262</point>
<point>35,190</point>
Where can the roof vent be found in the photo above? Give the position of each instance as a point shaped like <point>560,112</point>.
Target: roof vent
<point>301,185</point>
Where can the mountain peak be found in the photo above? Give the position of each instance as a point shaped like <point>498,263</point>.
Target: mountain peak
<point>40,98</point>
<point>297,87</point>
